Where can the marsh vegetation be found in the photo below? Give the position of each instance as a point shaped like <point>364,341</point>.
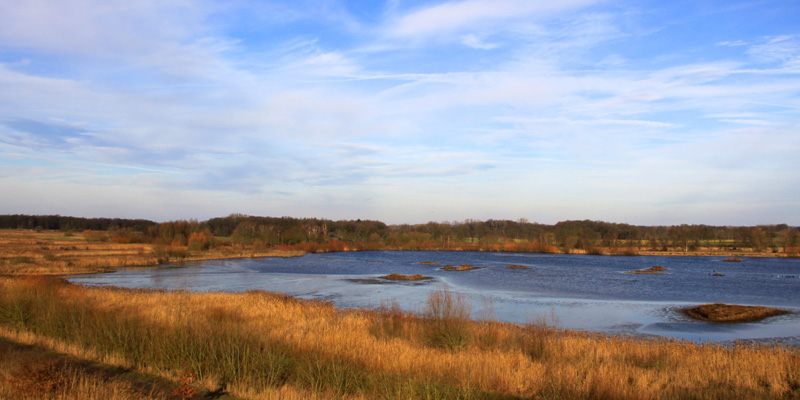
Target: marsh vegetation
<point>719,312</point>
<point>656,269</point>
<point>462,267</point>
<point>241,235</point>
<point>263,345</point>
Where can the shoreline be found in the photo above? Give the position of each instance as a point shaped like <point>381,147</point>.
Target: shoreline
<point>45,253</point>
<point>391,351</point>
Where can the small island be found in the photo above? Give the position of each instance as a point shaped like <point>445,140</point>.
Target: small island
<point>428,263</point>
<point>463,267</point>
<point>401,277</point>
<point>719,312</point>
<point>514,266</point>
<point>656,269</point>
<point>733,259</point>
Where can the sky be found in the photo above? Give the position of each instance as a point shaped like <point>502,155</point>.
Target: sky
<point>642,112</point>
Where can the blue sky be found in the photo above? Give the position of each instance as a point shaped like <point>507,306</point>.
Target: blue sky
<point>643,112</point>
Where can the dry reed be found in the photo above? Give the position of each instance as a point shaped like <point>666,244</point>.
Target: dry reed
<point>257,344</point>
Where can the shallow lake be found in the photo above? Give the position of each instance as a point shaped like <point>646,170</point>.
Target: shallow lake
<point>591,293</point>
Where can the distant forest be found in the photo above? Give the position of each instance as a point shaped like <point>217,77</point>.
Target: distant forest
<point>313,234</point>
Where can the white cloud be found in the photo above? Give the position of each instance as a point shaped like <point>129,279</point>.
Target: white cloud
<point>98,26</point>
<point>732,43</point>
<point>477,43</point>
<point>468,14</point>
<point>784,49</point>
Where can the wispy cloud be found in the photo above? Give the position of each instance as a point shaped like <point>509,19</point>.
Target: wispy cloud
<point>463,15</point>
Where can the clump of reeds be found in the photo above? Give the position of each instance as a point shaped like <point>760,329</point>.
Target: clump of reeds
<point>447,313</point>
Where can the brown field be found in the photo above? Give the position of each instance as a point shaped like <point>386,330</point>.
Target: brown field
<point>260,345</point>
<point>53,252</point>
<point>719,312</point>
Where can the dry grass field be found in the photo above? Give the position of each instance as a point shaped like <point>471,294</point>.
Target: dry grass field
<point>260,345</point>
<point>59,253</point>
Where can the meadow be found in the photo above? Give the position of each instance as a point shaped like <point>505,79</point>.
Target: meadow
<point>60,253</point>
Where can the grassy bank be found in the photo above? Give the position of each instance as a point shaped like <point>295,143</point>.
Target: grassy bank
<point>59,253</point>
<point>263,345</point>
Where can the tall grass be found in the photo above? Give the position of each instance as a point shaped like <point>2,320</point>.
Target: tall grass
<point>263,345</point>
<point>447,314</point>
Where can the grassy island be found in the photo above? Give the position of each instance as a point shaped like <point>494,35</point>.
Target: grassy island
<point>656,269</point>
<point>463,267</point>
<point>719,312</point>
<point>401,277</point>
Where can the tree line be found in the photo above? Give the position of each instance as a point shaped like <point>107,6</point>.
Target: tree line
<point>312,234</point>
<point>61,223</point>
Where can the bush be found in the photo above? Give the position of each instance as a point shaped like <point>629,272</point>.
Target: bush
<point>447,314</point>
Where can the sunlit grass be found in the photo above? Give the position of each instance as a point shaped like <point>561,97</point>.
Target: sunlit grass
<point>257,344</point>
<point>29,252</point>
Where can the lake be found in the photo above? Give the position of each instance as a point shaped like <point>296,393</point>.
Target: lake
<point>592,293</point>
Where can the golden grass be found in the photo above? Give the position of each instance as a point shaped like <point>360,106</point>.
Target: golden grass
<point>428,263</point>
<point>257,344</point>
<point>514,266</point>
<point>401,277</point>
<point>30,252</point>
<point>719,312</point>
<point>29,372</point>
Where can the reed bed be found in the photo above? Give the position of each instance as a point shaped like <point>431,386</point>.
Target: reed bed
<point>266,345</point>
<point>60,253</point>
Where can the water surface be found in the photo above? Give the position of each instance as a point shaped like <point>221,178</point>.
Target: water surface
<point>571,291</point>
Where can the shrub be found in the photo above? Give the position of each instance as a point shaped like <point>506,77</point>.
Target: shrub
<point>447,314</point>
